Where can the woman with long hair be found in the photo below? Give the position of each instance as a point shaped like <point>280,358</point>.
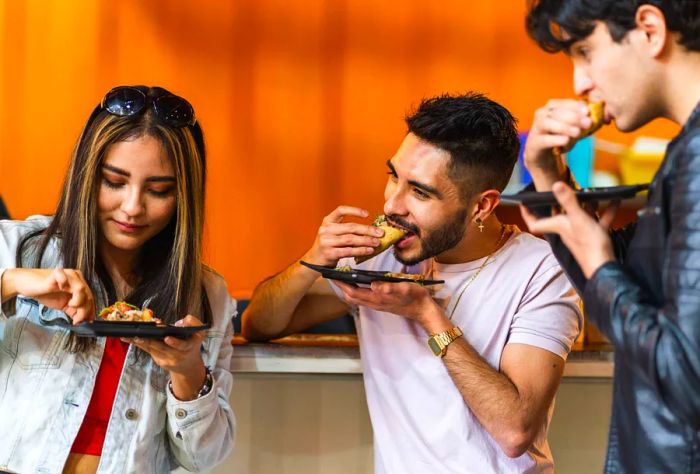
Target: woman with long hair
<point>128,227</point>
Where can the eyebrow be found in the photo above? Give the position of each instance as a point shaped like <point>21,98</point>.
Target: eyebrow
<point>150,179</point>
<point>417,184</point>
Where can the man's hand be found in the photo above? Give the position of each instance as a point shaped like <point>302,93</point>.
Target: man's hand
<point>337,239</point>
<point>557,125</point>
<point>587,239</point>
<point>409,300</point>
<point>62,289</point>
<point>180,357</point>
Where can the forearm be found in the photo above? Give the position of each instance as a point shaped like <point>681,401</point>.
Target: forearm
<point>186,385</point>
<point>205,435</point>
<point>274,301</point>
<point>7,287</point>
<point>493,398</point>
<point>544,176</point>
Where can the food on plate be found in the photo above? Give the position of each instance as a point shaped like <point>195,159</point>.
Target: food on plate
<point>125,312</point>
<point>408,276</point>
<point>597,112</point>
<point>391,236</point>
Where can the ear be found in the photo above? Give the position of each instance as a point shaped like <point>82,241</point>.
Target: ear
<point>485,203</point>
<point>651,22</point>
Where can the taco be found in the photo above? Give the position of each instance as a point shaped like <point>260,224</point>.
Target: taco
<point>391,236</point>
<point>597,112</point>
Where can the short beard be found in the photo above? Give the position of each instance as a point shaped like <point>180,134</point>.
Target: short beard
<point>441,239</point>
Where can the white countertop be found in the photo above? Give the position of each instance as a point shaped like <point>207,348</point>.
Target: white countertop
<point>278,358</point>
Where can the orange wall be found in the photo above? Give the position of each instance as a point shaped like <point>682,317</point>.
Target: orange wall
<point>301,101</point>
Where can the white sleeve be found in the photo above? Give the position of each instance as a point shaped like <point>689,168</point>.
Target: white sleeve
<point>549,315</point>
<point>202,431</point>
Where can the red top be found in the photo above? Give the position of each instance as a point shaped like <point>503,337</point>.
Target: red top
<point>92,432</point>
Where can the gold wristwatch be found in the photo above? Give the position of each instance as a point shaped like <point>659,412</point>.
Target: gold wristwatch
<point>438,342</point>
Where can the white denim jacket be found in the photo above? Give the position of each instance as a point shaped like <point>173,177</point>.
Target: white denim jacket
<point>45,390</point>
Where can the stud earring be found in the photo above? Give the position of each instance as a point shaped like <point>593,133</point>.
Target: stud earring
<point>480,224</point>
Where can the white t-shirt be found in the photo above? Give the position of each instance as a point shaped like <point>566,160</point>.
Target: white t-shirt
<point>420,420</point>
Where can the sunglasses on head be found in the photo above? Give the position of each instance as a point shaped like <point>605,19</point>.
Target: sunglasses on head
<point>127,101</point>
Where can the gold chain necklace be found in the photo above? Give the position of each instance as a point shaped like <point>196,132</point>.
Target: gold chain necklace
<point>481,267</point>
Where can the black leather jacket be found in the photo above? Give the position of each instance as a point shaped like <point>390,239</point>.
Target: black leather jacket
<point>648,305</point>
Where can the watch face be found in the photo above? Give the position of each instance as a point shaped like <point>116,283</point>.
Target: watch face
<point>434,346</point>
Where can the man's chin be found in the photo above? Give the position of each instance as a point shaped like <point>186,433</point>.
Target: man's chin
<point>407,257</point>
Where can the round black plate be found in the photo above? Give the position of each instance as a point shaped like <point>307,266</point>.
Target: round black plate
<point>611,193</point>
<point>129,329</point>
<point>364,277</point>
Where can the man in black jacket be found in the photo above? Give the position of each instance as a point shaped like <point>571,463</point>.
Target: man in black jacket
<point>641,284</point>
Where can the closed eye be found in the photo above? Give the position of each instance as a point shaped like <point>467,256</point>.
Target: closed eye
<point>161,193</point>
<point>420,194</point>
<point>111,184</point>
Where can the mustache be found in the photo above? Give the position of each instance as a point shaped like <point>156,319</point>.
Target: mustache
<point>394,219</point>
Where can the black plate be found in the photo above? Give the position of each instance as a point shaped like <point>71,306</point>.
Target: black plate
<point>362,276</point>
<point>128,329</point>
<point>612,193</point>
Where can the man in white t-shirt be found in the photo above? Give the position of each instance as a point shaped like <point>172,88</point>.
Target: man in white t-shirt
<point>459,377</point>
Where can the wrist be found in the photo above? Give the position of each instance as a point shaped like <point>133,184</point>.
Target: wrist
<point>192,392</point>
<point>590,269</point>
<point>8,285</point>
<point>434,320</point>
<point>186,384</point>
<point>311,256</point>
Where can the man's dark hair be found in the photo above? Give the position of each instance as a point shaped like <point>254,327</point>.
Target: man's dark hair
<point>479,134</point>
<point>546,19</point>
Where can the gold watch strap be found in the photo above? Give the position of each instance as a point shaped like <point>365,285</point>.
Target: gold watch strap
<point>444,339</point>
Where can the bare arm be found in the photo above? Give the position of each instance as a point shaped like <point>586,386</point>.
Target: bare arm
<point>296,298</point>
<point>511,404</point>
<point>290,302</point>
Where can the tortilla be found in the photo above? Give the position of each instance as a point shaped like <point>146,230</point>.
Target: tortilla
<point>597,112</point>
<point>391,236</point>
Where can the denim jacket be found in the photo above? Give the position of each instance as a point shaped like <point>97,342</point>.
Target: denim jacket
<point>45,389</point>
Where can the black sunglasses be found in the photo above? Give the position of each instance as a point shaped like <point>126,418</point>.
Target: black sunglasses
<point>127,101</point>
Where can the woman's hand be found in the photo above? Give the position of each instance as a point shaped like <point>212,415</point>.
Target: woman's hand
<point>180,357</point>
<point>60,288</point>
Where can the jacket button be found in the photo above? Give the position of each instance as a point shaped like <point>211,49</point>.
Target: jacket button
<point>131,414</point>
<point>180,413</point>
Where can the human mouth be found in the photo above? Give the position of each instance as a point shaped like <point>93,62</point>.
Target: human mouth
<point>406,241</point>
<point>126,227</point>
<point>410,230</point>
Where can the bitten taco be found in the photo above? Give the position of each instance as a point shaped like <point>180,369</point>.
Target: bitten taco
<point>391,236</point>
<point>122,311</point>
<point>597,112</point>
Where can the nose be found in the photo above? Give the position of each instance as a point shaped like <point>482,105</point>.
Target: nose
<point>394,203</point>
<point>583,84</point>
<point>132,205</point>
